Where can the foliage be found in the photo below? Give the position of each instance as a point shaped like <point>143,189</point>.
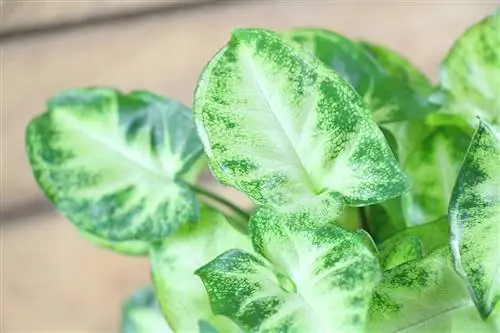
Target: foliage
<point>376,192</point>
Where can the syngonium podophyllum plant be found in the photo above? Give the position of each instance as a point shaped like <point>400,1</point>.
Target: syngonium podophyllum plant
<point>376,192</point>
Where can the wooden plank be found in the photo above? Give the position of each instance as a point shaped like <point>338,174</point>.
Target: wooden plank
<point>54,281</point>
<point>19,15</point>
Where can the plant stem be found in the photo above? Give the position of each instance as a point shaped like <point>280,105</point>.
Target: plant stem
<point>220,200</point>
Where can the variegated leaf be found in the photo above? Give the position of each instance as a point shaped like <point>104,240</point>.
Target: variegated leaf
<point>112,163</point>
<point>181,294</point>
<point>283,128</point>
<point>424,296</point>
<point>141,314</point>
<point>470,74</point>
<point>390,95</point>
<point>306,277</point>
<point>401,251</point>
<point>432,168</point>
<point>475,219</point>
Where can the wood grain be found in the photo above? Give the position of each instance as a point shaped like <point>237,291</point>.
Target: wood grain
<point>22,15</point>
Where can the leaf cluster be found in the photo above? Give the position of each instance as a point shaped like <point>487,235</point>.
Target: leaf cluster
<point>376,192</point>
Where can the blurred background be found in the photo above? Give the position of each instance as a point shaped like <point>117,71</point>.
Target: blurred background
<point>53,281</point>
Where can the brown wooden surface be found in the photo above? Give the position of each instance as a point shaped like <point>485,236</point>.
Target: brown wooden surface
<point>34,14</point>
<point>52,280</point>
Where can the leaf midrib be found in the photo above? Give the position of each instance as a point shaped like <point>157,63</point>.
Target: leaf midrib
<point>299,163</point>
<point>74,124</point>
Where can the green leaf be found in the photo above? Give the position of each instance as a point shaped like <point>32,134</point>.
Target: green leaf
<point>133,248</point>
<point>386,87</point>
<point>424,296</point>
<point>432,168</point>
<point>470,74</point>
<point>283,128</point>
<point>475,219</point>
<point>347,58</point>
<point>432,235</point>
<point>181,294</point>
<point>397,66</point>
<point>141,314</point>
<point>401,251</point>
<point>406,133</point>
<point>112,163</point>
<point>494,319</point>
<point>349,219</point>
<point>303,272</point>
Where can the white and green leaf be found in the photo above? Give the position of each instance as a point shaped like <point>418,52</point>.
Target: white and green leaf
<point>475,219</point>
<point>181,294</point>
<point>470,74</point>
<point>141,314</point>
<point>432,168</point>
<point>424,296</point>
<point>306,277</point>
<point>280,126</point>
<point>113,163</point>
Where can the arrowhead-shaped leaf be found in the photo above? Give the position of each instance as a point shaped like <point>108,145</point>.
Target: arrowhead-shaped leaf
<point>283,128</point>
<point>424,296</point>
<point>475,219</point>
<point>112,162</point>
<point>470,74</point>
<point>432,168</point>
<point>376,74</point>
<point>141,314</point>
<point>306,277</point>
<point>181,294</point>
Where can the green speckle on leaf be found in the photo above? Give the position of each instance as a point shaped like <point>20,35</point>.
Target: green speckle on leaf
<point>299,130</point>
<point>475,219</point>
<point>302,271</point>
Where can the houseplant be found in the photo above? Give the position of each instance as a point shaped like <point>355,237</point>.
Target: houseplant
<point>376,192</point>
